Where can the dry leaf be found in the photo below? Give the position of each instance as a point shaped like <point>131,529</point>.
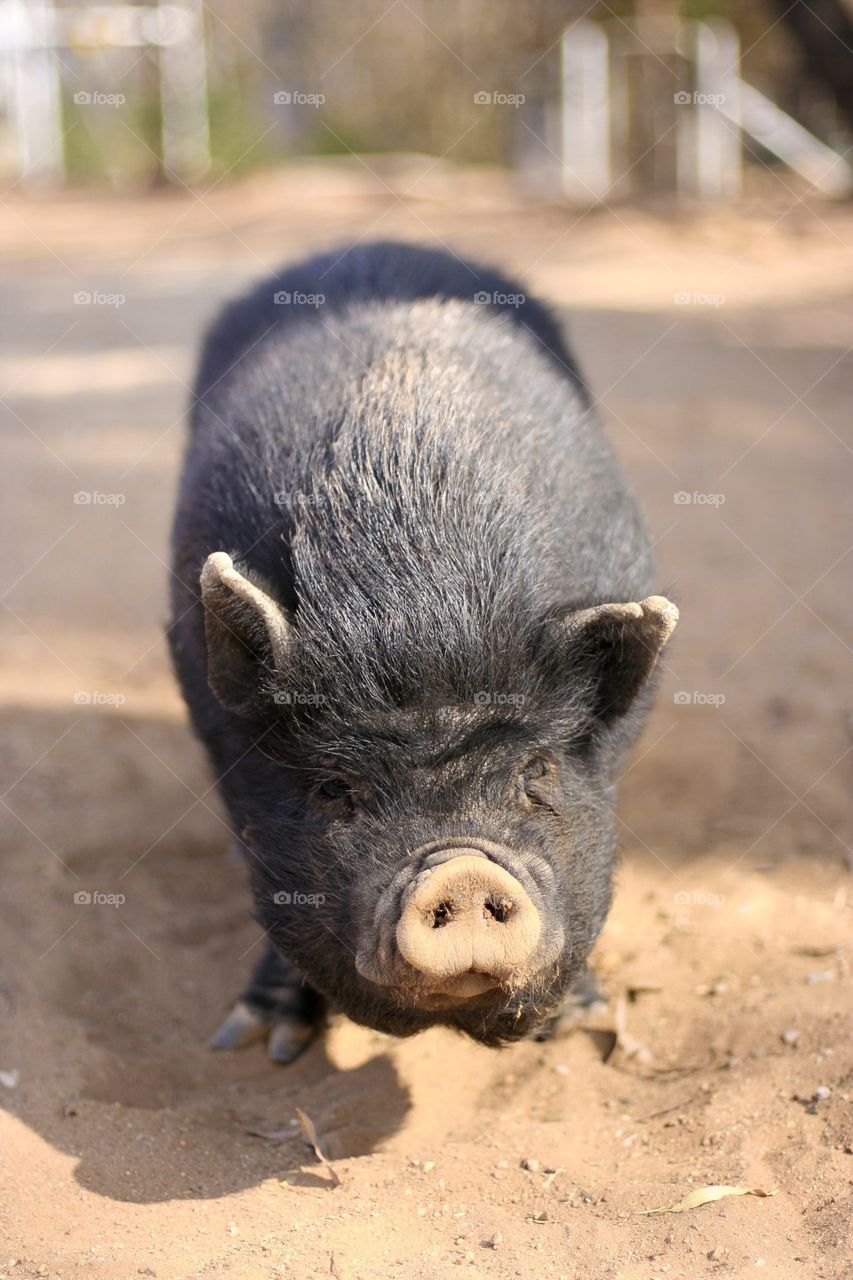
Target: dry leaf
<point>307,1126</point>
<point>705,1195</point>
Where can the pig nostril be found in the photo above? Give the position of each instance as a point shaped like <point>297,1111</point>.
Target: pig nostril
<point>500,909</point>
<point>442,915</point>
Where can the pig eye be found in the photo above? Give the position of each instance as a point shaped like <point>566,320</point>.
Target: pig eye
<point>334,789</point>
<point>534,781</point>
<point>536,768</point>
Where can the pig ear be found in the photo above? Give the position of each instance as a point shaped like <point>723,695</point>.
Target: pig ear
<point>620,644</point>
<point>248,635</point>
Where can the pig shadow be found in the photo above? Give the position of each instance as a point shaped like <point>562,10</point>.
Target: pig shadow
<point>128,938</point>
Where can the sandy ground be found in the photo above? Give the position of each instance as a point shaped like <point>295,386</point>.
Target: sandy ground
<point>719,346</point>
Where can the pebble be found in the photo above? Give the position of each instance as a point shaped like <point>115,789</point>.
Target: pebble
<point>532,1166</point>
<point>822,1092</point>
<point>791,1036</point>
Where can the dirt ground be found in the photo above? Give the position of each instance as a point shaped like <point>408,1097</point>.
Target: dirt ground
<point>719,345</point>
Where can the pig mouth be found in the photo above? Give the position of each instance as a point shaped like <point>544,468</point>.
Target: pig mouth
<point>461,925</point>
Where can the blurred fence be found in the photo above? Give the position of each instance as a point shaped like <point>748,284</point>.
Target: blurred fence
<point>588,102</point>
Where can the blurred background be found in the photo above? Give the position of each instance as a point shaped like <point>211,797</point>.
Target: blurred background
<point>575,97</point>
<point>675,180</point>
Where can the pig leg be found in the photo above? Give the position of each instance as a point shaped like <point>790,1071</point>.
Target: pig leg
<point>581,1001</point>
<point>277,1005</point>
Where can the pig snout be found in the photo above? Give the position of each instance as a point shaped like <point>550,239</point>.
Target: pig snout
<point>467,925</point>
<point>460,924</point>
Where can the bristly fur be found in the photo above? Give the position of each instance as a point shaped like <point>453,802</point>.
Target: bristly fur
<point>418,479</point>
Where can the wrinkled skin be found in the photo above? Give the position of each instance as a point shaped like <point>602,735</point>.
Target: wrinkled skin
<point>400,565</point>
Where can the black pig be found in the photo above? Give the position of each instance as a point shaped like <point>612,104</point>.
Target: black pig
<point>412,621</point>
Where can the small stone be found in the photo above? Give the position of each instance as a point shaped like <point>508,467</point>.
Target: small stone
<point>791,1036</point>
<point>718,988</point>
<point>821,1093</point>
<point>495,1241</point>
<point>532,1166</point>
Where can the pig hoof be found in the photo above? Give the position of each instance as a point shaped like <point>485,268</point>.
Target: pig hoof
<point>288,1038</point>
<point>580,1003</point>
<point>243,1026</point>
<point>287,1033</point>
<point>278,1007</point>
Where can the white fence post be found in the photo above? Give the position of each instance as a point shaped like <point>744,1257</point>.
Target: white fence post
<point>709,143</point>
<point>183,91</point>
<point>585,117</point>
<point>34,90</point>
